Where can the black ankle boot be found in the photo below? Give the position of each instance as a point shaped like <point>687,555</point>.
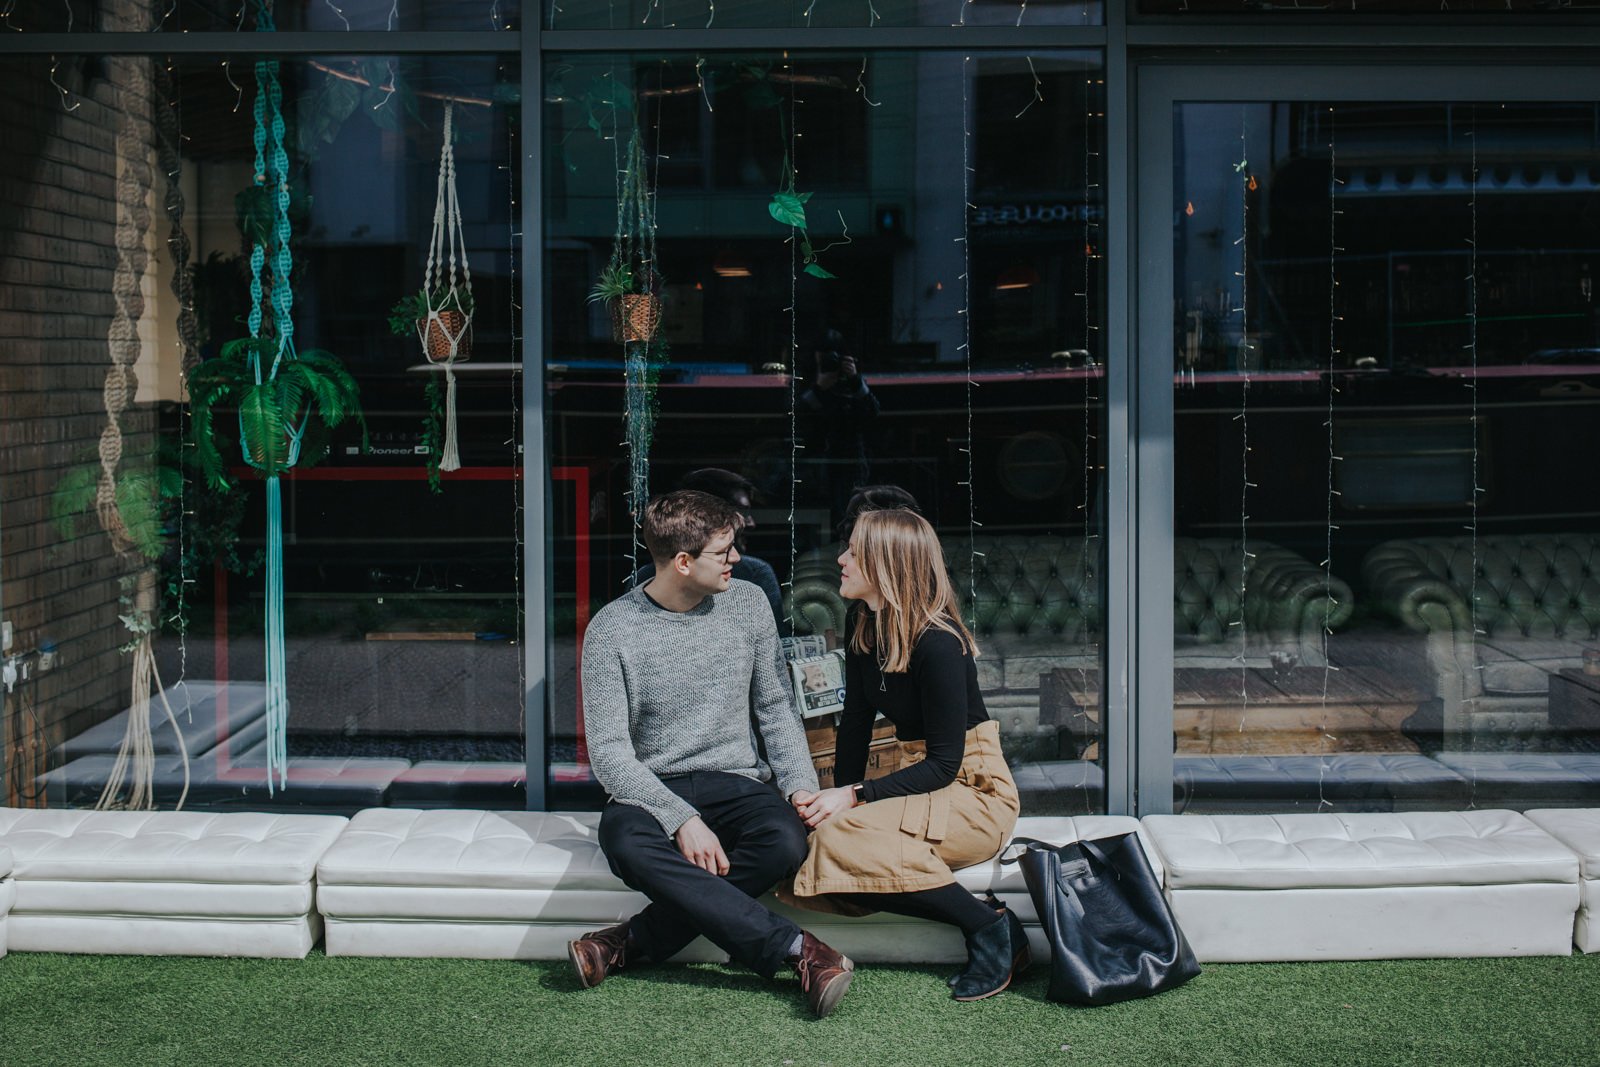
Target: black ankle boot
<point>1022,954</point>
<point>990,962</point>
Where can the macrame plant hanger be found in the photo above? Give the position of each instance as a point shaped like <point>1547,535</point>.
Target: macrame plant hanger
<point>272,173</point>
<point>135,760</point>
<point>446,334</point>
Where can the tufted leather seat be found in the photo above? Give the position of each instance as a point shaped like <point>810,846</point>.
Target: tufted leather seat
<point>1579,830</point>
<point>8,895</point>
<point>1378,886</point>
<point>518,884</point>
<point>1035,605</point>
<point>160,883</point>
<point>1533,599</point>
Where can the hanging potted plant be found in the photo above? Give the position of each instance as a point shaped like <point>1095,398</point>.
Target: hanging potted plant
<point>438,319</point>
<point>274,412</point>
<point>440,313</point>
<point>635,307</point>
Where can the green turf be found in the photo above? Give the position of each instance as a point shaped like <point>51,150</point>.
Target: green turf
<point>147,1010</point>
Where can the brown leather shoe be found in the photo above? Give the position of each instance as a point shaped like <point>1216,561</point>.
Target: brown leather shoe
<point>598,953</point>
<point>824,975</point>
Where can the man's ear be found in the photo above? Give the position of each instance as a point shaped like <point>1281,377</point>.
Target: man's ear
<point>683,563</point>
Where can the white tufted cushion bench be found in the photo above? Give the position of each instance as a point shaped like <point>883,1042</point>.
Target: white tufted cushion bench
<point>520,885</point>
<point>1579,830</point>
<point>1379,886</point>
<point>165,883</point>
<point>8,895</point>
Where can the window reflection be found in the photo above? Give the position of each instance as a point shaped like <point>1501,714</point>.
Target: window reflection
<point>1387,362</point>
<point>132,212</point>
<point>952,353</point>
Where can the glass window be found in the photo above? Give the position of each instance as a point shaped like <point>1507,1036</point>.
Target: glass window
<point>895,337</point>
<point>1364,8</point>
<point>137,537</point>
<point>199,16</point>
<point>1387,370</point>
<point>731,14</point>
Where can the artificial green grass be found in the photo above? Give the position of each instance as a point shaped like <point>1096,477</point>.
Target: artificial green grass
<point>143,1010</point>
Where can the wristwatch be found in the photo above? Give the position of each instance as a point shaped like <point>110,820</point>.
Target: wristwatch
<point>860,792</point>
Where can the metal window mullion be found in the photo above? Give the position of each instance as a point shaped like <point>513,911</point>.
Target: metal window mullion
<point>1153,463</point>
<point>1119,685</point>
<point>537,653</point>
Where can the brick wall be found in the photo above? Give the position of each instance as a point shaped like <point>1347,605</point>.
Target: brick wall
<point>57,256</point>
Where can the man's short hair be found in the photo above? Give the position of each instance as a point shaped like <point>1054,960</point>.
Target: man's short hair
<point>685,521</point>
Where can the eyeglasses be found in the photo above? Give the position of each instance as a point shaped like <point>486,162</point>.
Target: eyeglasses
<point>724,554</point>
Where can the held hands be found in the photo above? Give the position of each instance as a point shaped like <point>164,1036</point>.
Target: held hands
<point>817,808</point>
<point>701,847</point>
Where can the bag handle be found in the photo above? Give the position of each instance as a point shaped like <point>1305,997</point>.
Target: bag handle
<point>1090,845</point>
<point>1024,845</point>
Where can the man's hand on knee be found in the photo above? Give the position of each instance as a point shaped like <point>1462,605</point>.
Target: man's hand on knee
<point>701,847</point>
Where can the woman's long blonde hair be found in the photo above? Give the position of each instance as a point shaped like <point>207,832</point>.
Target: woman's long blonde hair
<point>898,553</point>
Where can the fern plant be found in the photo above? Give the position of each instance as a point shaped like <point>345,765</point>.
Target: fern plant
<point>312,387</point>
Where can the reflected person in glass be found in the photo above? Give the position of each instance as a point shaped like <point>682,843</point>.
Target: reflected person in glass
<point>739,491</point>
<point>910,657</point>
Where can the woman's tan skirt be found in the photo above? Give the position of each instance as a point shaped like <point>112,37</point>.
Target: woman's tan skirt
<point>906,844</point>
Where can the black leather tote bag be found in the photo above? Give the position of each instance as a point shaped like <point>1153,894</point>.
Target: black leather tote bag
<point>1112,936</point>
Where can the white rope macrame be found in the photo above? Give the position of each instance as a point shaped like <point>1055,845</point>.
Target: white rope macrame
<point>135,761</point>
<point>446,334</point>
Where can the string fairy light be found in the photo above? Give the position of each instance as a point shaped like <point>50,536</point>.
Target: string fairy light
<point>1334,318</point>
<point>519,486</point>
<point>966,331</point>
<point>795,446</point>
<point>1037,85</point>
<point>339,12</point>
<point>1246,184</point>
<point>1472,376</point>
<point>238,100</point>
<point>861,85</point>
<point>66,98</point>
<point>1328,601</point>
<point>1091,398</point>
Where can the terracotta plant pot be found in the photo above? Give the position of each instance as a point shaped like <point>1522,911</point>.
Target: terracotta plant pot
<point>635,317</point>
<point>436,334</point>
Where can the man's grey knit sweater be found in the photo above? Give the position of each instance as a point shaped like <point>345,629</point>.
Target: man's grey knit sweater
<point>669,692</point>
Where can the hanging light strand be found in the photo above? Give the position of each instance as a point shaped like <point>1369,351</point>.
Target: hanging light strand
<point>1334,181</point>
<point>1246,179</point>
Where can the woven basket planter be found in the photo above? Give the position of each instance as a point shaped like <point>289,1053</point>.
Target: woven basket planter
<point>436,334</point>
<point>635,317</point>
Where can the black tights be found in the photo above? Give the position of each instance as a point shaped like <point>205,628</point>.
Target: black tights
<point>947,904</point>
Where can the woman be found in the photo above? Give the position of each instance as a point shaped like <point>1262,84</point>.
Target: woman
<point>890,844</point>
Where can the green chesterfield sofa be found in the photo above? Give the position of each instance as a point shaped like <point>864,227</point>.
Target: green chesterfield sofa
<point>1035,603</point>
<point>1537,607</point>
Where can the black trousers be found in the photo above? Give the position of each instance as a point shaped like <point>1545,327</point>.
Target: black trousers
<point>765,842</point>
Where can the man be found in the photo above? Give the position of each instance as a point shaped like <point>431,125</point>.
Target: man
<point>675,674</point>
<point>836,410</point>
<point>739,491</point>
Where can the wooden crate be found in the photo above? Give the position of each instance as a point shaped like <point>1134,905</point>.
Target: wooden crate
<point>883,753</point>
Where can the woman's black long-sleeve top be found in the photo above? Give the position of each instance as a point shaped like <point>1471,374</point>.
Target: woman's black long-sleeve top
<point>936,700</point>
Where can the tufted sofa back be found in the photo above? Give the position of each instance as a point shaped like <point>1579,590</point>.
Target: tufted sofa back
<point>1011,585</point>
<point>1538,585</point>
